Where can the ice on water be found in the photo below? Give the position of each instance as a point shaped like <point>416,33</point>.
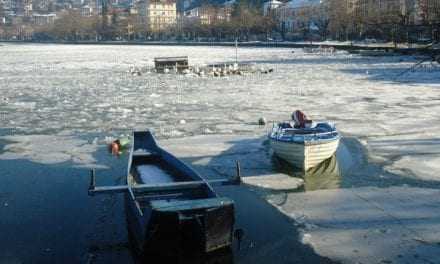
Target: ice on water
<point>50,94</point>
<point>50,149</point>
<point>151,174</point>
<point>74,89</point>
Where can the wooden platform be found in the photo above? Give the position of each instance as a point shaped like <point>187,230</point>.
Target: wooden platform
<point>161,64</point>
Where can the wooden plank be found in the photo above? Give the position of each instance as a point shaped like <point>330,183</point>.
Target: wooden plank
<point>157,187</point>
<point>163,205</point>
<point>159,196</point>
<point>147,187</point>
<point>168,59</point>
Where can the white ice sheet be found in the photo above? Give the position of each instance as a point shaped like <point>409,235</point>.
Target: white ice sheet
<point>153,174</point>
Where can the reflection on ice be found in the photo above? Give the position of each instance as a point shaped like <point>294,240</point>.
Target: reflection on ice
<point>325,175</point>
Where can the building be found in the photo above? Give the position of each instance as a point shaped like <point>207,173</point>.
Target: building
<point>43,19</point>
<point>157,14</point>
<point>426,11</point>
<point>161,14</point>
<point>298,15</point>
<point>209,14</point>
<point>8,5</point>
<point>371,8</point>
<point>44,6</point>
<point>86,11</point>
<point>23,7</point>
<point>186,5</point>
<point>270,6</point>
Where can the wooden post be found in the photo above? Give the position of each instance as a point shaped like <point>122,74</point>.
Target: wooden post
<point>92,181</point>
<point>236,50</point>
<point>238,174</point>
<point>173,186</point>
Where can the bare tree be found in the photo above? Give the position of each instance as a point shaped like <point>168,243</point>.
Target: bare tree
<point>68,26</point>
<point>90,27</point>
<point>321,18</point>
<point>245,18</point>
<point>340,18</point>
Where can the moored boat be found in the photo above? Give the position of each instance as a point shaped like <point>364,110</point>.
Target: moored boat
<point>304,147</point>
<point>170,208</point>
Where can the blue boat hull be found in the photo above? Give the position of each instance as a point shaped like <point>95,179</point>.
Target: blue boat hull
<point>170,223</point>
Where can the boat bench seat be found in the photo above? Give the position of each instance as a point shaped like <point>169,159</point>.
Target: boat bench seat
<point>166,196</point>
<point>165,205</point>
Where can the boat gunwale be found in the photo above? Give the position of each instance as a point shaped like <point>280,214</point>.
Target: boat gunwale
<point>307,142</point>
<point>306,139</point>
<point>196,178</point>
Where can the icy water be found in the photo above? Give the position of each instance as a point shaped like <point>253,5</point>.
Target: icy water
<point>59,88</point>
<point>58,103</point>
<point>79,94</point>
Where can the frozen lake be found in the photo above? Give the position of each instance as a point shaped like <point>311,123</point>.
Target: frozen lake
<point>61,90</point>
<point>58,103</point>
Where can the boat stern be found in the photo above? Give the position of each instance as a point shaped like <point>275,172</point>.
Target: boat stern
<point>202,225</point>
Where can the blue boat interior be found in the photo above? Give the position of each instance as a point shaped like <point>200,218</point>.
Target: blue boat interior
<point>152,165</point>
<point>321,131</point>
<point>319,128</point>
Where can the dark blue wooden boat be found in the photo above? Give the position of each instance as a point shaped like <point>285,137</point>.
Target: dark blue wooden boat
<point>169,206</point>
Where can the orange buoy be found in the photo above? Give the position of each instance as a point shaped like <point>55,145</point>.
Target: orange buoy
<point>115,147</point>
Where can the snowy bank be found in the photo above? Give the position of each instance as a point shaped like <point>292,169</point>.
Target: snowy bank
<point>369,225</point>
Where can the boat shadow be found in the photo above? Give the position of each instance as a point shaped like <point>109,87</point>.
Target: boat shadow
<point>260,242</point>
<point>326,175</point>
<point>349,167</point>
<point>220,256</point>
<point>56,196</point>
<point>258,160</point>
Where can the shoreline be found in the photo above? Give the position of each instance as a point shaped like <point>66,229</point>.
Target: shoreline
<point>255,44</point>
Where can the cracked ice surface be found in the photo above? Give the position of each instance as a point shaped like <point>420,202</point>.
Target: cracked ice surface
<point>398,224</point>
<point>50,149</point>
<point>75,89</point>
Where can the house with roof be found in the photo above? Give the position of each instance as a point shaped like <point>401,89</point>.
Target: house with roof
<point>270,6</point>
<point>300,15</point>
